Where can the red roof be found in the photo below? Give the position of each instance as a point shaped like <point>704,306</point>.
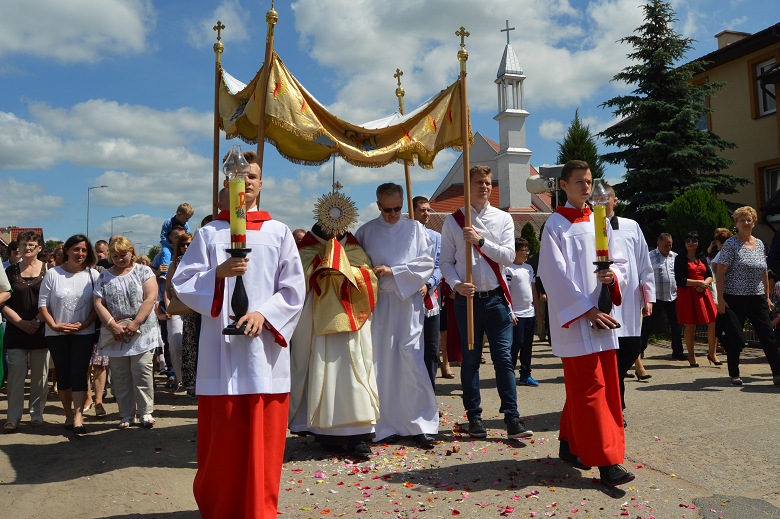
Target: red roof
<point>19,230</point>
<point>452,199</point>
<point>492,143</point>
<point>520,219</point>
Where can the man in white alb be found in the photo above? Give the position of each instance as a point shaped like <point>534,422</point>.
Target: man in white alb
<point>402,254</point>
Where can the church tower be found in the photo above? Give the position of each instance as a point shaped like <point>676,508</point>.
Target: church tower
<point>513,159</point>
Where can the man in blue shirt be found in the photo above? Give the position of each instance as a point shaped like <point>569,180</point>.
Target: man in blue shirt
<point>431,293</point>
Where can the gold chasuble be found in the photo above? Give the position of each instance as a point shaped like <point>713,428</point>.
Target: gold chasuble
<point>331,359</point>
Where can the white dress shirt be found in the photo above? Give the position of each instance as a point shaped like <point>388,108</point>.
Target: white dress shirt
<point>498,230</point>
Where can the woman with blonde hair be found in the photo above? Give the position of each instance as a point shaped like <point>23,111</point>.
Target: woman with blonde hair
<point>143,259</point>
<point>743,283</point>
<point>124,299</point>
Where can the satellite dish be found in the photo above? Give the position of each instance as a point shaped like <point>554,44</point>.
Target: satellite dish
<point>538,184</point>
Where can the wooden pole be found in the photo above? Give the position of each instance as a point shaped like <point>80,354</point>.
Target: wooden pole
<point>271,17</point>
<point>399,92</point>
<point>218,48</point>
<point>463,56</point>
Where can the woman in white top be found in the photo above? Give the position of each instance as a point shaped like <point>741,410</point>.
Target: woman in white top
<point>66,306</point>
<point>124,298</point>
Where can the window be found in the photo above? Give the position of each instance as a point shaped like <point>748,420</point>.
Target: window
<point>701,122</point>
<point>767,104</point>
<point>771,186</point>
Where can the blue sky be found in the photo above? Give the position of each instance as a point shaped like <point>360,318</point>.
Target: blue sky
<point>120,92</point>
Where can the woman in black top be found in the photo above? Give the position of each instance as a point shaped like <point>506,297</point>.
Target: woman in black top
<point>24,335</point>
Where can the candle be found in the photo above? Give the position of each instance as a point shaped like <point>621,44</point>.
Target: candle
<point>602,242</point>
<point>237,187</point>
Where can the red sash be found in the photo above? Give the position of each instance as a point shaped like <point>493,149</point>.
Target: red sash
<point>461,219</point>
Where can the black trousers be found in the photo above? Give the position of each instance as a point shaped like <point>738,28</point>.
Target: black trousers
<point>630,348</point>
<point>431,344</point>
<point>755,309</point>
<point>71,355</point>
<point>649,321</point>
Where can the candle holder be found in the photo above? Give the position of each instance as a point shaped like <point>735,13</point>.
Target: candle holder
<point>599,198</point>
<point>235,168</point>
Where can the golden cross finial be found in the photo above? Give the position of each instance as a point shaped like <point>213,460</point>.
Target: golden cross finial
<point>337,186</point>
<point>219,28</point>
<point>463,34</point>
<point>397,75</point>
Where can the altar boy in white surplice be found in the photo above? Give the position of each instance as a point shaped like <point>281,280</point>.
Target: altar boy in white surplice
<point>402,254</point>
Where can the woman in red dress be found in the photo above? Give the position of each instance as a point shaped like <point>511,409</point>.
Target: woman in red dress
<point>694,300</point>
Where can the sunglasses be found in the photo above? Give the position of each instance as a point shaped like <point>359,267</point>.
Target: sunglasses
<point>184,244</point>
<point>388,210</point>
<point>691,240</point>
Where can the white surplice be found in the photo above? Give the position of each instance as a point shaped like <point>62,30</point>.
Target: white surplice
<point>566,268</point>
<point>334,389</point>
<point>408,404</point>
<point>274,282</point>
<point>631,241</point>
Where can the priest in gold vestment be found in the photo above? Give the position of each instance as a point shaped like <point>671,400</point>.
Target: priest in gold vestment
<point>334,392</point>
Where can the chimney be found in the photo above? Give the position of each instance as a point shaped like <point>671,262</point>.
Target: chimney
<point>729,37</point>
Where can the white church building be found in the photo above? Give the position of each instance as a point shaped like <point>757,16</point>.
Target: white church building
<point>509,159</point>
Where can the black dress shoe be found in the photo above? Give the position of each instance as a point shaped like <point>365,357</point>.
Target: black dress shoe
<point>628,375</point>
<point>358,447</point>
<point>565,454</point>
<point>614,475</point>
<point>68,426</point>
<point>424,440</point>
<point>390,439</point>
<point>79,429</point>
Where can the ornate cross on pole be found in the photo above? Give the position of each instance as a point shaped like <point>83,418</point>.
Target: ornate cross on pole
<point>507,31</point>
<point>463,34</point>
<point>397,75</point>
<point>219,28</point>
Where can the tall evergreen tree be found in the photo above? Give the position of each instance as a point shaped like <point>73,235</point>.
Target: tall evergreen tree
<point>664,152</point>
<point>529,234</point>
<point>579,144</point>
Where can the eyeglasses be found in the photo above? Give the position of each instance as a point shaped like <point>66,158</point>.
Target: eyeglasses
<point>691,240</point>
<point>524,250</point>
<point>388,210</point>
<point>28,245</point>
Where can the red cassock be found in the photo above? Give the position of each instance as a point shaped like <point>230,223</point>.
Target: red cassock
<point>249,428</point>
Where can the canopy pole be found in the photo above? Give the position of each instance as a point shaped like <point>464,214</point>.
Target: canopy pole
<point>399,92</point>
<point>271,17</point>
<point>218,48</point>
<point>463,56</point>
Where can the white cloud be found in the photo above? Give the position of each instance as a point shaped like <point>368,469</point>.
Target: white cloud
<point>24,202</point>
<point>138,228</point>
<point>76,30</point>
<point>567,56</point>
<point>201,33</point>
<point>552,129</point>
<point>736,22</point>
<point>166,190</point>
<point>26,145</point>
<point>99,119</point>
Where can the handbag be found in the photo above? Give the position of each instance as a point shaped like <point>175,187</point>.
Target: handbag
<point>176,307</point>
<point>107,338</point>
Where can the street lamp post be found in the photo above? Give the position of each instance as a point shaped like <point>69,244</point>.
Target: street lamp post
<point>112,222</point>
<point>126,232</point>
<point>89,190</point>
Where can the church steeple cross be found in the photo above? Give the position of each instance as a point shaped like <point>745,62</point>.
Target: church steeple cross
<point>507,31</point>
<point>219,28</point>
<point>397,75</point>
<point>463,34</point>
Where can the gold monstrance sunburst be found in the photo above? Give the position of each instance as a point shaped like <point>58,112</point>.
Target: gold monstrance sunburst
<point>335,212</point>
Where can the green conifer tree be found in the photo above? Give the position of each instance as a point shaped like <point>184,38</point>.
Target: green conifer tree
<point>663,150</point>
<point>579,144</point>
<point>529,234</point>
<point>696,210</point>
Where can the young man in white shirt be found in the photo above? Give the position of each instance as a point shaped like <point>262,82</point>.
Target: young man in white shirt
<point>491,236</point>
<point>525,310</point>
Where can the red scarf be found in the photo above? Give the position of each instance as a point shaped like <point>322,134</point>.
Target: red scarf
<point>574,215</point>
<point>254,219</point>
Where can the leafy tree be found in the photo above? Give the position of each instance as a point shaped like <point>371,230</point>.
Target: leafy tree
<point>696,210</point>
<point>664,152</point>
<point>154,250</point>
<point>51,244</point>
<point>529,234</point>
<point>579,144</point>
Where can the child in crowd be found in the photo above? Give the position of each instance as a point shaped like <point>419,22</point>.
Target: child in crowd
<point>525,301</point>
<point>182,216</point>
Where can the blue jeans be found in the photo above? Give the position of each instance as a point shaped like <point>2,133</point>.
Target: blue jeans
<point>431,343</point>
<point>522,344</point>
<point>492,317</point>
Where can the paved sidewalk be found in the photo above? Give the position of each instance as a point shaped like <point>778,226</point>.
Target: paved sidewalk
<point>699,446</point>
